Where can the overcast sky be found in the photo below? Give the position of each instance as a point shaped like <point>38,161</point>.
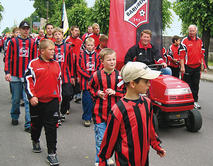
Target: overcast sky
<point>16,10</point>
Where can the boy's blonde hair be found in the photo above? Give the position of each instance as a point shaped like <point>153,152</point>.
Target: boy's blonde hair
<point>89,40</point>
<point>45,43</point>
<point>103,37</point>
<point>57,29</point>
<point>106,51</point>
<point>95,25</point>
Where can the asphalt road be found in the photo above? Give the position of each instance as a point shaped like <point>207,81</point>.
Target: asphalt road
<point>76,145</point>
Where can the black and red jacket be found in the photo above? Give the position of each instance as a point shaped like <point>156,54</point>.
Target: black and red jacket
<point>101,80</point>
<point>148,55</point>
<point>175,52</point>
<point>88,63</point>
<point>129,133</point>
<point>43,80</point>
<point>19,53</point>
<point>64,56</point>
<point>195,52</point>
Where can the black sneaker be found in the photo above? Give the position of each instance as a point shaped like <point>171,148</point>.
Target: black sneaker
<point>62,118</point>
<point>59,123</point>
<point>78,98</point>
<point>36,147</point>
<point>52,159</point>
<point>14,122</point>
<point>28,130</point>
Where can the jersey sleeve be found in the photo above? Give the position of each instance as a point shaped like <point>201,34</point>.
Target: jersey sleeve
<point>29,79</point>
<point>8,57</point>
<point>109,139</point>
<point>93,85</point>
<point>82,71</point>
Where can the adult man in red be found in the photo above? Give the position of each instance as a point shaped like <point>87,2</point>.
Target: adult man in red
<point>88,33</point>
<point>96,33</point>
<point>76,43</point>
<point>194,62</point>
<point>19,53</point>
<point>49,31</point>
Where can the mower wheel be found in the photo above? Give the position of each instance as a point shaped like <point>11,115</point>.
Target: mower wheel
<point>155,123</point>
<point>194,121</point>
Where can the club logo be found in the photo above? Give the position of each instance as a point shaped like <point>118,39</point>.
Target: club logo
<point>136,13</point>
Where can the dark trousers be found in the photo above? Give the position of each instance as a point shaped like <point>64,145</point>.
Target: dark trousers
<point>45,114</point>
<point>192,77</point>
<point>175,71</point>
<point>67,96</point>
<point>77,88</point>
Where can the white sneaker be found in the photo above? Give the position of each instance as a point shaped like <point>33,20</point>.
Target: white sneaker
<point>96,164</point>
<point>196,105</point>
<point>110,162</point>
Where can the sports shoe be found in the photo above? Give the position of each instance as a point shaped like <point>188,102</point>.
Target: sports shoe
<point>36,147</point>
<point>52,159</point>
<point>96,164</point>
<point>68,112</point>
<point>196,105</point>
<point>28,130</point>
<point>110,162</point>
<point>59,123</point>
<point>87,123</point>
<point>62,118</point>
<point>77,98</point>
<point>14,122</point>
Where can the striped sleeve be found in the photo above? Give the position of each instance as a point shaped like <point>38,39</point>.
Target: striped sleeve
<point>93,88</point>
<point>29,80</point>
<point>81,68</point>
<point>8,57</point>
<point>109,139</point>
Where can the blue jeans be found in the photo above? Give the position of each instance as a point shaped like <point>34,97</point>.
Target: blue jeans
<point>99,134</point>
<point>166,71</point>
<point>87,104</point>
<point>18,92</point>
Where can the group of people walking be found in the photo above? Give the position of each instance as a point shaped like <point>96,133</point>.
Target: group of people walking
<point>49,71</point>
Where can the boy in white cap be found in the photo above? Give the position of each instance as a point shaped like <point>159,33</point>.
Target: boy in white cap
<point>130,130</point>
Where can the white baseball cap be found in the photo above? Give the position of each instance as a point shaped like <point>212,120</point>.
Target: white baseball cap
<point>133,70</point>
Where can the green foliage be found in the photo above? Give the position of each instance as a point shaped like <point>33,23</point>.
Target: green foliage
<point>100,15</point>
<point>78,15</point>
<point>166,14</point>
<point>6,30</point>
<point>1,10</point>
<point>197,12</point>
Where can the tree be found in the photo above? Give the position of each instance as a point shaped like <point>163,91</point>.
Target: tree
<point>166,14</point>
<point>1,10</point>
<point>100,14</point>
<point>6,30</point>
<point>197,12</point>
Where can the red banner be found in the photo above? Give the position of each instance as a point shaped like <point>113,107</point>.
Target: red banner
<point>122,34</point>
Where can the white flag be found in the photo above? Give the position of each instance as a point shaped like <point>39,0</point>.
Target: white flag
<point>65,23</point>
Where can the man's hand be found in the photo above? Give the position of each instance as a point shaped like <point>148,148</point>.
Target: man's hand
<point>73,81</point>
<point>164,65</point>
<point>34,101</point>
<point>161,153</point>
<point>8,77</point>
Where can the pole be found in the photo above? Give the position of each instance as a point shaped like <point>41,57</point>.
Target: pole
<point>47,10</point>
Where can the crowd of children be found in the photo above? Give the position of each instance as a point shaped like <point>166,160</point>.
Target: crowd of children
<point>54,70</point>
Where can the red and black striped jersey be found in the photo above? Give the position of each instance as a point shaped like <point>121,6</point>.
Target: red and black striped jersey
<point>129,133</point>
<point>88,63</point>
<point>175,52</point>
<point>64,56</point>
<point>19,53</point>
<point>75,43</point>
<point>101,80</point>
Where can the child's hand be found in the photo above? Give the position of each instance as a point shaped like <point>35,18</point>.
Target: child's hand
<point>73,81</point>
<point>101,94</point>
<point>161,153</point>
<point>110,92</point>
<point>34,101</point>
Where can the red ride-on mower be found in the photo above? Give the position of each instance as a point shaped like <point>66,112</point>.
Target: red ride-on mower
<point>173,101</point>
